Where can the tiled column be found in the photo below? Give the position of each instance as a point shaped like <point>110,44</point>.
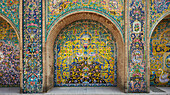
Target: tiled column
<point>136,46</point>
<point>32,46</point>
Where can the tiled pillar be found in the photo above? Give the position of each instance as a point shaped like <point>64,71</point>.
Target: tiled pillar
<point>32,46</point>
<point>136,46</point>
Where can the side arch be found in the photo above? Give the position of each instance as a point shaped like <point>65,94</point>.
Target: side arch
<point>10,52</point>
<point>157,50</point>
<point>49,67</point>
<point>12,24</point>
<point>158,21</point>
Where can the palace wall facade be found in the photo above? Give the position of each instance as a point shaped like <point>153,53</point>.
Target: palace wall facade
<point>91,43</point>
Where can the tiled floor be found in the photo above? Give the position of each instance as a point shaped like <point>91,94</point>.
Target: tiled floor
<point>83,91</point>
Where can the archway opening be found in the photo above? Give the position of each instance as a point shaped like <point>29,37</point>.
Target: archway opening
<point>75,18</point>
<point>9,56</point>
<point>160,54</point>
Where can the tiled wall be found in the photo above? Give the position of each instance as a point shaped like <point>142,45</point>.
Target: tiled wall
<point>112,9</point>
<point>85,55</point>
<point>32,46</point>
<point>160,55</point>
<point>158,10</point>
<point>9,55</point>
<point>137,73</point>
<point>56,9</point>
<point>10,9</point>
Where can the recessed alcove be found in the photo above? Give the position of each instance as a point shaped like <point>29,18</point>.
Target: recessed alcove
<point>75,17</point>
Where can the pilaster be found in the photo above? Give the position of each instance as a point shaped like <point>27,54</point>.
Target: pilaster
<point>137,49</point>
<point>32,46</point>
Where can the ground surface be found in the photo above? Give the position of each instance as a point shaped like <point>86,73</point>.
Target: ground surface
<point>84,91</point>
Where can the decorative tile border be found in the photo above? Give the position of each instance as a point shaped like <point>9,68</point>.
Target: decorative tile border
<point>136,46</point>
<point>56,9</point>
<point>32,46</point>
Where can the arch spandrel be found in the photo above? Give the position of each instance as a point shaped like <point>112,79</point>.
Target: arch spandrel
<point>152,28</point>
<point>58,9</point>
<point>10,9</point>
<point>158,10</point>
<point>11,24</point>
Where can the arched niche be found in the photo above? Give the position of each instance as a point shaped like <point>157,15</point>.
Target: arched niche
<point>85,55</point>
<point>159,53</point>
<point>49,67</point>
<point>9,54</point>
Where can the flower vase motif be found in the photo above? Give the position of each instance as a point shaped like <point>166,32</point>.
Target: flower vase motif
<point>136,27</point>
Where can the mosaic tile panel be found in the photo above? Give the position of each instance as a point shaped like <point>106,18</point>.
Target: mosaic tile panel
<point>32,46</point>
<point>160,55</point>
<point>10,8</point>
<point>57,8</point>
<point>157,9</point>
<point>136,42</point>
<point>85,55</point>
<point>9,55</point>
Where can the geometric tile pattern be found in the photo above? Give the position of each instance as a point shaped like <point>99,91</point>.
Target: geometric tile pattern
<point>32,46</point>
<point>160,55</point>
<point>10,8</point>
<point>58,8</point>
<point>136,42</point>
<point>9,55</point>
<point>85,55</point>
